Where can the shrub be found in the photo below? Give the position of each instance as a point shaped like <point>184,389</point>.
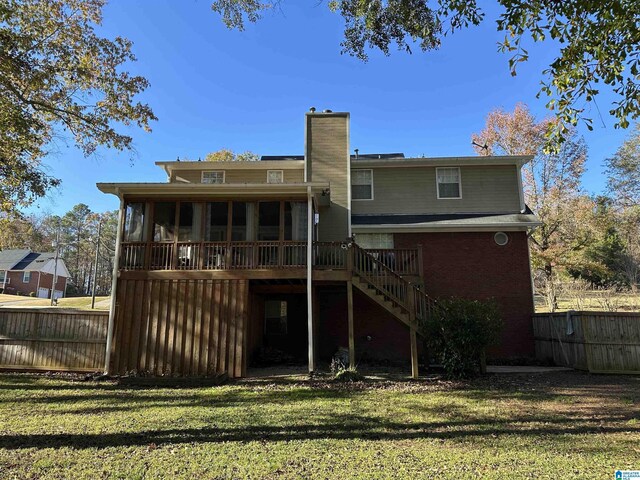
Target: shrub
<point>348,375</point>
<point>32,294</point>
<point>459,331</point>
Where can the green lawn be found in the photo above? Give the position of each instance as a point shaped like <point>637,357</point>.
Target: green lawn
<point>561,425</point>
<point>68,302</point>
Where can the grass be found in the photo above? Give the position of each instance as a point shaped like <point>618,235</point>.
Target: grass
<point>564,425</point>
<point>593,300</point>
<point>68,302</point>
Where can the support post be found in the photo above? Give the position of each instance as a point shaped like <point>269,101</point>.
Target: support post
<point>310,323</point>
<point>352,343</point>
<point>114,285</point>
<point>412,331</point>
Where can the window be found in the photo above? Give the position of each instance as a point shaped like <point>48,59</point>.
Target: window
<point>295,221</point>
<point>362,184</point>
<point>134,222</point>
<point>189,221</point>
<point>164,221</point>
<point>269,221</point>
<point>216,222</point>
<point>275,321</point>
<point>448,180</point>
<point>213,177</point>
<point>275,176</point>
<point>2,276</point>
<point>26,277</point>
<point>374,240</point>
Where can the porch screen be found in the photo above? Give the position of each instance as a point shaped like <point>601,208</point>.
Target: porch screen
<point>375,240</point>
<point>269,221</point>
<point>164,221</point>
<point>216,222</point>
<point>134,222</point>
<point>295,221</point>
<point>242,224</point>
<point>189,221</point>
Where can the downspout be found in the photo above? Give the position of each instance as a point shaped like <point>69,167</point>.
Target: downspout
<point>523,207</point>
<point>114,284</point>
<point>312,359</point>
<point>38,285</point>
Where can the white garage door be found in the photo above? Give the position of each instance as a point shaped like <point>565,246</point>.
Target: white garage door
<point>43,293</point>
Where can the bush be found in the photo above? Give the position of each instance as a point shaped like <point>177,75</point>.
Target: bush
<point>348,375</point>
<point>459,331</point>
<point>32,294</point>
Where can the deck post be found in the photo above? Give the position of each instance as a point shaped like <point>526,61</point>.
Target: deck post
<point>310,296</point>
<point>412,331</point>
<point>114,285</point>
<point>352,343</point>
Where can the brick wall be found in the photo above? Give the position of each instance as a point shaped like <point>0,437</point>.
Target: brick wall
<point>16,284</point>
<point>472,265</point>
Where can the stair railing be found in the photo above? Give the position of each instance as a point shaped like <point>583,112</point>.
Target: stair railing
<point>407,296</point>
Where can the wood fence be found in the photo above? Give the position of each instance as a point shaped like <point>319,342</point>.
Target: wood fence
<point>52,339</point>
<point>600,342</point>
<point>181,327</point>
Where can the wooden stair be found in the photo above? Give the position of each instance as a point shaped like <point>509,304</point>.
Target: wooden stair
<point>386,287</point>
<point>390,306</point>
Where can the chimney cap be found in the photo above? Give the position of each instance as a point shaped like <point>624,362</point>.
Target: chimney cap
<point>327,111</point>
<point>312,109</point>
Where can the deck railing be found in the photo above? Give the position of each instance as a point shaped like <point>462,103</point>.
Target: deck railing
<point>258,255</point>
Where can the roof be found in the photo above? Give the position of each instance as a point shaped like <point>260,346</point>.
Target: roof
<point>448,221</point>
<point>8,258</point>
<point>255,190</point>
<point>34,261</point>
<point>360,156</point>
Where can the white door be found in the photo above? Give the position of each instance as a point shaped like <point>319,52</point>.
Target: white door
<point>58,294</point>
<point>43,292</point>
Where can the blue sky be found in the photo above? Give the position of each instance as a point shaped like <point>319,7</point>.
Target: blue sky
<point>213,88</point>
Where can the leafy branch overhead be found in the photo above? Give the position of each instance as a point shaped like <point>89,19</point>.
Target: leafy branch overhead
<point>58,77</point>
<point>598,42</point>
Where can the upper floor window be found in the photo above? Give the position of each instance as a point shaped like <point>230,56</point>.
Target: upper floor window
<point>362,184</point>
<point>2,276</point>
<point>275,176</point>
<point>448,180</point>
<point>26,277</point>
<point>213,176</point>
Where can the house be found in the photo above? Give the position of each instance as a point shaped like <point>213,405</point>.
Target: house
<point>23,272</point>
<point>305,254</point>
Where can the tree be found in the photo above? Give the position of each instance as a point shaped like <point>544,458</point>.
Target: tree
<point>623,185</point>
<point>551,182</point>
<point>623,172</point>
<point>59,78</point>
<point>598,41</point>
<point>226,155</point>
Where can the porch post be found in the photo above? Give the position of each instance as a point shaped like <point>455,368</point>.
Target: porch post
<point>114,284</point>
<point>352,343</point>
<point>412,331</point>
<point>310,323</point>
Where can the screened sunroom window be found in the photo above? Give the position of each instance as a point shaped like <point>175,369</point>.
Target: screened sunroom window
<point>164,221</point>
<point>189,221</point>
<point>134,222</point>
<point>362,184</point>
<point>216,217</point>
<point>448,182</point>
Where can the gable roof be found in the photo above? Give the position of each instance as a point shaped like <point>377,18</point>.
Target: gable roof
<point>9,258</point>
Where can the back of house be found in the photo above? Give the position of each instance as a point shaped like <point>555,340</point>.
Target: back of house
<point>229,264</point>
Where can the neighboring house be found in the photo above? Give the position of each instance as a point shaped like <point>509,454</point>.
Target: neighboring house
<point>23,272</point>
<point>306,254</point>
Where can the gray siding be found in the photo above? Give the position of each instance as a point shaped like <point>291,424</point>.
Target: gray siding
<point>413,190</point>
<point>241,176</point>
